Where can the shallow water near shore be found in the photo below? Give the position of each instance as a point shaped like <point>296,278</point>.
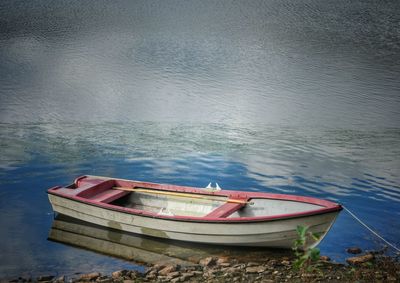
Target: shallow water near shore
<point>272,96</point>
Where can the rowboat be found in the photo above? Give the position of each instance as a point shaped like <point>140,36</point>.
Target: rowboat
<point>221,217</point>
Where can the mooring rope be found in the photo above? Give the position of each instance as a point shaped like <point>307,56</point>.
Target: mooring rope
<point>372,231</point>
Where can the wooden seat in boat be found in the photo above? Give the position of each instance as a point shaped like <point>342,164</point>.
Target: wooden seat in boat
<point>108,196</point>
<point>226,209</point>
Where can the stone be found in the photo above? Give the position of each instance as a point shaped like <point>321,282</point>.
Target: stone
<point>133,274</point>
<point>151,275</point>
<point>224,264</point>
<point>177,279</point>
<point>185,276</point>
<point>354,250</point>
<point>208,261</point>
<point>166,270</point>
<point>325,258</point>
<point>360,259</point>
<point>232,270</point>
<point>60,279</point>
<point>252,264</point>
<point>45,278</point>
<point>156,267</point>
<point>273,262</point>
<point>255,269</point>
<point>104,280</point>
<point>89,276</point>
<point>222,260</point>
<point>173,275</point>
<point>119,273</point>
<point>285,262</point>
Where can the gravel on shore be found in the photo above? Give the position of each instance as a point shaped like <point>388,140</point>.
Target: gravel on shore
<point>367,267</point>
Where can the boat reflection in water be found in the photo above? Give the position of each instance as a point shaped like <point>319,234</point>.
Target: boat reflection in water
<point>144,249</point>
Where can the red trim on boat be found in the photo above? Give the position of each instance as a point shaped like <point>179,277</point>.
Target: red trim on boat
<point>98,184</point>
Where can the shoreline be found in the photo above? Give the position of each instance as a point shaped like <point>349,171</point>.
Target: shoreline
<point>367,267</point>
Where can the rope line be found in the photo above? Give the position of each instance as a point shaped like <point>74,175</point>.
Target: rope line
<point>372,231</point>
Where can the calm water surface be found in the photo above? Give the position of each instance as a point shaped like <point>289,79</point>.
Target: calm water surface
<point>275,96</point>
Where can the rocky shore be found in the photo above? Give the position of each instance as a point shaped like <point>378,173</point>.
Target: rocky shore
<point>368,267</point>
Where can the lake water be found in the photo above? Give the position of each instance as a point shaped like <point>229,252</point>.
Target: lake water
<point>297,97</point>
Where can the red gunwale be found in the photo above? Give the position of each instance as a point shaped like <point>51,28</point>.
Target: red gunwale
<point>327,206</point>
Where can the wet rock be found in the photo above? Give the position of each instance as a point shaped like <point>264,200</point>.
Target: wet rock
<point>89,276</point>
<point>60,279</point>
<point>354,250</point>
<point>133,274</point>
<point>273,263</point>
<point>360,259</point>
<point>104,279</point>
<point>167,269</point>
<point>208,261</point>
<point>185,276</point>
<point>45,278</point>
<point>285,262</point>
<point>256,269</point>
<point>119,273</point>
<point>129,281</point>
<point>152,275</point>
<point>325,258</point>
<point>252,264</point>
<point>156,267</point>
<point>222,260</point>
<point>232,270</point>
<point>173,275</point>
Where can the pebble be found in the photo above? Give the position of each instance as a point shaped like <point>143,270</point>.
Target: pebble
<point>354,250</point>
<point>255,269</point>
<point>166,270</point>
<point>173,275</point>
<point>45,278</point>
<point>325,258</point>
<point>60,279</point>
<point>119,273</point>
<point>89,276</point>
<point>360,259</point>
<point>208,261</point>
<point>222,260</point>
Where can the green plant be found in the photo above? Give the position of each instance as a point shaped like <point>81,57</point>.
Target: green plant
<point>306,258</point>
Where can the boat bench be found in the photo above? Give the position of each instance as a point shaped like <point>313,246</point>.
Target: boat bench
<point>226,209</point>
<point>108,196</point>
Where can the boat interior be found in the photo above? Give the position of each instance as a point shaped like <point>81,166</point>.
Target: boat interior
<point>175,203</point>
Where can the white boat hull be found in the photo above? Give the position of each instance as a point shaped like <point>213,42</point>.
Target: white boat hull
<point>278,233</point>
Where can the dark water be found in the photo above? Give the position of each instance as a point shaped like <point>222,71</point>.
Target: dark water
<point>279,96</point>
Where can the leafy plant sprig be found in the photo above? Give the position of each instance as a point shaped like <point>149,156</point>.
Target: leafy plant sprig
<point>306,258</point>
